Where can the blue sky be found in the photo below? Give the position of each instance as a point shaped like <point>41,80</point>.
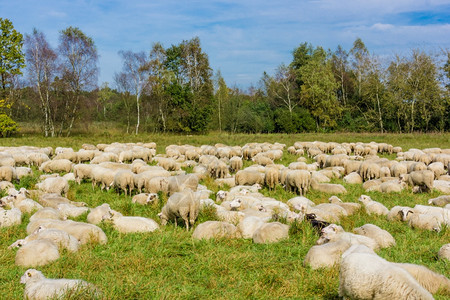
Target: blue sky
<point>242,38</point>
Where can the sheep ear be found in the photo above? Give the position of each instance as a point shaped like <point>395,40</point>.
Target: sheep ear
<point>29,274</point>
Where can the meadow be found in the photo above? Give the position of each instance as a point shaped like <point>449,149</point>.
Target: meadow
<point>169,264</point>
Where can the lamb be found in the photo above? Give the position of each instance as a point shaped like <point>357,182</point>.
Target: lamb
<point>181,205</point>
<point>58,185</point>
<point>131,224</point>
<point>37,287</point>
<point>383,238</point>
<point>145,198</point>
<point>216,230</point>
<point>326,255</point>
<point>444,252</point>
<point>271,233</point>
<point>328,188</point>
<point>10,217</point>
<point>373,207</point>
<point>334,232</point>
<point>37,253</point>
<point>247,177</point>
<point>124,180</point>
<point>428,279</point>
<point>440,201</point>
<point>364,275</point>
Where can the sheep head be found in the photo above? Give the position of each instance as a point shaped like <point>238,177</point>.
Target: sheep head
<point>30,275</point>
<point>329,233</point>
<point>364,199</point>
<point>405,214</point>
<point>17,244</point>
<point>334,199</point>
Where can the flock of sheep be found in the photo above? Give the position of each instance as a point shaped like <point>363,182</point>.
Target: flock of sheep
<point>243,211</point>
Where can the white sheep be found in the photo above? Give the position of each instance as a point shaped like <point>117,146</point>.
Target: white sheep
<point>82,171</point>
<point>423,179</point>
<point>145,198</point>
<point>70,210</point>
<point>37,287</point>
<point>10,217</point>
<point>334,232</point>
<point>365,275</point>
<point>249,225</point>
<point>56,165</point>
<point>131,224</point>
<point>350,207</point>
<point>59,237</point>
<point>395,214</point>
<point>95,216</point>
<point>54,199</point>
<point>440,201</point>
<point>181,205</point>
<point>444,252</point>
<point>57,185</point>
<point>430,280</point>
<point>383,238</point>
<point>421,220</point>
<point>326,255</point>
<point>248,177</point>
<point>372,206</point>
<point>216,230</point>
<point>353,178</point>
<point>271,233</point>
<point>37,253</point>
<point>329,188</point>
<point>124,180</point>
<point>182,182</point>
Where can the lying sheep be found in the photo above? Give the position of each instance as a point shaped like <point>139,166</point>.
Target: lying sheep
<point>216,230</point>
<point>421,220</point>
<point>54,199</point>
<point>10,217</point>
<point>70,210</point>
<point>95,216</point>
<point>440,201</point>
<point>326,255</point>
<point>350,207</point>
<point>37,287</point>
<point>47,213</point>
<point>328,188</point>
<point>367,276</point>
<point>131,224</point>
<point>395,213</point>
<point>271,233</point>
<point>145,198</point>
<point>444,252</point>
<point>249,225</point>
<point>428,279</point>
<point>423,179</point>
<point>246,177</point>
<point>333,233</point>
<point>56,165</point>
<point>58,185</point>
<point>37,253</point>
<point>383,238</point>
<point>373,207</point>
<point>181,205</point>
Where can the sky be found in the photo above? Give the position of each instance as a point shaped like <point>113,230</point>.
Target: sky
<point>242,38</point>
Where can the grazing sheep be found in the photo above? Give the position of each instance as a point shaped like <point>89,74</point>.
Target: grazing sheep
<point>381,236</point>
<point>58,185</point>
<point>423,179</point>
<point>7,173</point>
<point>181,205</point>
<point>271,233</point>
<point>145,198</point>
<point>373,207</point>
<point>444,252</point>
<point>367,276</point>
<point>56,165</point>
<point>440,201</point>
<point>369,170</point>
<point>333,233</point>
<point>430,280</point>
<point>82,171</point>
<point>124,180</point>
<point>37,253</point>
<point>326,255</point>
<point>37,287</point>
<point>298,181</point>
<point>399,169</point>
<point>216,230</point>
<point>271,177</point>
<point>235,164</point>
<point>131,224</point>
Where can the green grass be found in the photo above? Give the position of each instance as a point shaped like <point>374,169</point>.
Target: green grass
<point>169,264</point>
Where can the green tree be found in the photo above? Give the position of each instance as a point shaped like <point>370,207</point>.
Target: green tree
<point>221,96</point>
<point>12,59</point>
<point>318,93</point>
<point>360,56</point>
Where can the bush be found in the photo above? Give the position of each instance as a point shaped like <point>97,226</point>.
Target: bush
<point>7,125</point>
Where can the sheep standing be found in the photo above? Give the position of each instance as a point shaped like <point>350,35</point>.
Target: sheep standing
<point>181,205</point>
<point>124,180</point>
<point>423,179</point>
<point>368,276</point>
<point>37,287</point>
<point>298,180</point>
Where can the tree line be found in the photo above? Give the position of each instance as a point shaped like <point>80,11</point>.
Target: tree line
<point>174,89</point>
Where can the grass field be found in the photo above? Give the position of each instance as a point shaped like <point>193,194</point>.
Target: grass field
<point>169,264</point>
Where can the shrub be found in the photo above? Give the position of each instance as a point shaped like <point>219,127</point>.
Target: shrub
<point>7,125</point>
